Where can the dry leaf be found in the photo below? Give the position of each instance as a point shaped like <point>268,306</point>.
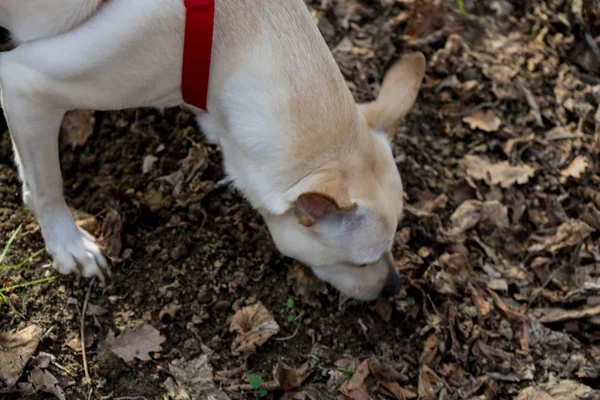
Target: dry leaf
<point>473,212</point>
<point>387,378</point>
<point>568,234</point>
<point>550,315</point>
<point>43,380</point>
<point>465,217</point>
<point>306,285</point>
<point>148,163</point>
<point>502,173</point>
<point>558,390</point>
<point>137,343</point>
<point>487,121</point>
<point>16,348</point>
<point>289,378</point>
<point>384,309</point>
<point>355,387</point>
<point>110,239</point>
<point>254,326</point>
<point>77,126</point>
<point>194,380</point>
<point>87,222</point>
<point>575,169</point>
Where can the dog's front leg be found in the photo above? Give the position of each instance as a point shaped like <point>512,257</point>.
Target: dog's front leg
<point>34,125</point>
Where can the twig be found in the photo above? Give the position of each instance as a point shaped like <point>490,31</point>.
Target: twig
<point>83,311</point>
<point>90,393</point>
<point>246,387</point>
<point>533,104</point>
<point>299,319</point>
<point>433,37</point>
<point>470,110</point>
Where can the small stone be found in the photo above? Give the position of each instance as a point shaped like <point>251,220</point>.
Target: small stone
<point>222,305</point>
<point>498,285</point>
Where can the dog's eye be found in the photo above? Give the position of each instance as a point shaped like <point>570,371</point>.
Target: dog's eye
<point>363,265</point>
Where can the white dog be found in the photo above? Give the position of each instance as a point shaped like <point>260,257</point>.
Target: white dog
<point>317,166</point>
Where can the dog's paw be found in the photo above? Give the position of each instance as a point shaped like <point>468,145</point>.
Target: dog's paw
<point>75,250</point>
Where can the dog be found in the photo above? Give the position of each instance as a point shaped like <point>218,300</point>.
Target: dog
<point>316,165</point>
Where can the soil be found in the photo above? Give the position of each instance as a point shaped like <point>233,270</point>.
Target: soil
<point>475,315</point>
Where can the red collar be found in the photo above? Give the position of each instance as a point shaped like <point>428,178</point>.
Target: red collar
<point>197,51</point>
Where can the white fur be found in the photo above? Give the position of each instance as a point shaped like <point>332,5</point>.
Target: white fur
<point>77,54</point>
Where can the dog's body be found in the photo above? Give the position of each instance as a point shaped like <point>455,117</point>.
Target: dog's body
<point>294,141</point>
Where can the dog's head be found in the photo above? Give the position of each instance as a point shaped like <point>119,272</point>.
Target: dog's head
<point>346,213</point>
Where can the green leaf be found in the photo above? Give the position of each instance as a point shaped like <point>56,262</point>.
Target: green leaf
<point>255,381</point>
<point>291,317</point>
<point>290,303</point>
<point>262,392</point>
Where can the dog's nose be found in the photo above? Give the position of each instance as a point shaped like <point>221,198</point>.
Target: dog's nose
<point>392,286</point>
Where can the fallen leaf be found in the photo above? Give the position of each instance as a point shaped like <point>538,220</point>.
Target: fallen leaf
<point>16,348</point>
<point>289,378</point>
<point>427,380</point>
<point>569,233</point>
<point>487,121</point>
<point>77,126</point>
<point>502,173</point>
<point>384,309</point>
<point>575,169</point>
<point>194,379</point>
<point>388,377</point>
<point>550,315</point>
<point>137,343</point>
<point>87,222</point>
<point>42,380</point>
<point>148,163</point>
<point>558,390</point>
<point>306,285</point>
<point>355,387</point>
<point>465,217</point>
<point>110,239</point>
<point>254,326</point>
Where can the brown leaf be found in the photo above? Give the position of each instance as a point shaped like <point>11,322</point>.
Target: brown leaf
<point>384,309</point>
<point>388,377</point>
<point>44,381</point>
<point>254,326</point>
<point>16,348</point>
<point>551,315</point>
<point>427,378</point>
<point>87,222</point>
<point>110,239</point>
<point>356,388</point>
<point>575,169</point>
<point>557,390</point>
<point>137,343</point>
<point>487,121</point>
<point>494,214</point>
<point>483,307</point>
<point>194,380</point>
<point>465,217</point>
<point>502,173</point>
<point>306,285</point>
<point>289,378</point>
<point>77,126</point>
<point>569,233</point>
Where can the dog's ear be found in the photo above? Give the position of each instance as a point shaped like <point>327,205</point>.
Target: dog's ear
<point>398,93</point>
<point>328,195</point>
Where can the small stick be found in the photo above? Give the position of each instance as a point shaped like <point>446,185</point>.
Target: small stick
<point>283,339</point>
<point>83,311</point>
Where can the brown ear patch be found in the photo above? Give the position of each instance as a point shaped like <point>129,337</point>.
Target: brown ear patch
<point>312,206</point>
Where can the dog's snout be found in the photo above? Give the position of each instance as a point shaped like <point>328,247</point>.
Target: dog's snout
<point>392,285</point>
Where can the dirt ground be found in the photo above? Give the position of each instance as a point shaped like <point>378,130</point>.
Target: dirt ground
<point>499,248</point>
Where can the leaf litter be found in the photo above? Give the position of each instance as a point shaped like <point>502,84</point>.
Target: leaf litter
<point>498,249</point>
